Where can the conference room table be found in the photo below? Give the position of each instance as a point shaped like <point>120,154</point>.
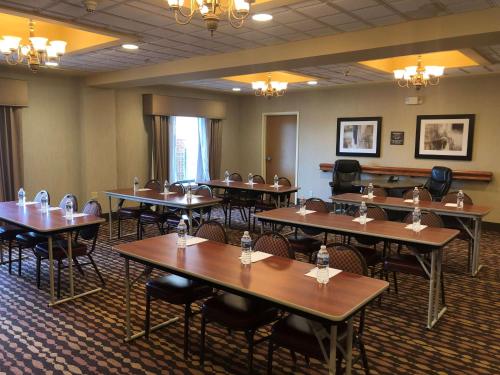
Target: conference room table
<point>156,198</point>
<point>473,212</point>
<point>49,224</point>
<point>432,238</point>
<point>385,183</point>
<point>277,280</point>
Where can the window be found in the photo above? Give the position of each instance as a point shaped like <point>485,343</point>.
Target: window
<point>188,149</point>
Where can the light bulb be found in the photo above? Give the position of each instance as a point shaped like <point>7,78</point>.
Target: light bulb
<point>39,43</point>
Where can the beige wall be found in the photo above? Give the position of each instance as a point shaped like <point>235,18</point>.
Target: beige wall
<point>318,110</point>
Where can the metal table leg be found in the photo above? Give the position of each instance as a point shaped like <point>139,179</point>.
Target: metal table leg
<point>110,219</point>
<point>190,220</point>
<point>476,250</point>
<point>332,362</point>
<point>70,265</point>
<point>51,271</point>
<point>348,349</point>
<point>433,311</point>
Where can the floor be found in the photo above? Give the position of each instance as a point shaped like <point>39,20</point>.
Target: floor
<point>86,337</point>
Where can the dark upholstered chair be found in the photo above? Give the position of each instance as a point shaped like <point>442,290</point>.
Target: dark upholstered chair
<point>29,240</point>
<point>79,248</point>
<point>295,333</point>
<point>439,183</point>
<point>308,243</point>
<point>177,290</point>
<point>344,173</point>
<point>133,213</point>
<point>423,194</point>
<point>408,263</point>
<point>240,313</point>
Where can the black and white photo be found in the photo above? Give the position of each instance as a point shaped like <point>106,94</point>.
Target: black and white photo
<point>359,136</point>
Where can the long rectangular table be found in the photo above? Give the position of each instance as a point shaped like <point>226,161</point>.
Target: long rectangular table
<point>434,238</point>
<point>280,281</point>
<point>159,199</point>
<point>49,224</point>
<point>473,212</point>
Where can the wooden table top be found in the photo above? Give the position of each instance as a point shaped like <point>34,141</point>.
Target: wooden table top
<point>391,230</point>
<point>31,217</point>
<point>472,210</point>
<point>240,185</point>
<point>156,198</point>
<point>276,279</point>
<point>382,182</point>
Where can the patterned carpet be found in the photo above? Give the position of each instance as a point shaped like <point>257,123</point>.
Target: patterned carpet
<point>86,337</point>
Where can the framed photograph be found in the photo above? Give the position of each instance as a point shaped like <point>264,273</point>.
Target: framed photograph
<point>445,137</point>
<point>397,138</point>
<point>359,136</point>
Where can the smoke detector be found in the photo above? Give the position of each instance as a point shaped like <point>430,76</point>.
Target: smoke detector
<point>90,5</point>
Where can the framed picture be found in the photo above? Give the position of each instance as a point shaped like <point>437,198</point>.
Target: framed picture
<point>359,136</point>
<point>397,138</point>
<point>445,137</point>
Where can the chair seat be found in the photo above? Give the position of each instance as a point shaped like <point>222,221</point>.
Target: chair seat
<point>59,249</point>
<point>238,313</point>
<point>9,232</point>
<point>305,244</point>
<point>372,256</point>
<point>177,290</point>
<point>130,212</point>
<point>30,239</point>
<point>153,217</point>
<point>404,263</point>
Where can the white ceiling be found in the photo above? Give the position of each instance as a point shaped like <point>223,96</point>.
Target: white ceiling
<point>161,39</point>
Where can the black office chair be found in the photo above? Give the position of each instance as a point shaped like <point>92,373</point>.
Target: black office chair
<point>344,173</point>
<point>439,183</point>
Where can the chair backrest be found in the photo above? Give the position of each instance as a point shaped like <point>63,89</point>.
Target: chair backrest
<point>452,198</point>
<point>177,187</point>
<point>213,231</point>
<point>423,194</point>
<point>235,177</point>
<point>378,192</point>
<point>38,196</point>
<point>92,207</point>
<point>440,181</point>
<point>274,243</point>
<point>284,181</point>
<point>204,190</point>
<point>153,185</point>
<point>374,212</point>
<point>258,179</point>
<point>428,218</point>
<point>347,258</point>
<point>316,204</point>
<point>66,198</point>
<point>345,171</point>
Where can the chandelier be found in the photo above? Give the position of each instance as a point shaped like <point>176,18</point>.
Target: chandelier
<point>418,76</point>
<point>269,88</point>
<point>211,11</point>
<point>35,53</point>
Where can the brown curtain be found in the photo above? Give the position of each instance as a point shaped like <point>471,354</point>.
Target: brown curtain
<point>160,149</point>
<point>214,135</point>
<point>11,163</point>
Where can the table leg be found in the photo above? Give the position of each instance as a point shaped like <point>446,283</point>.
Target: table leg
<point>348,349</point>
<point>110,219</point>
<point>433,312</point>
<point>70,265</point>
<point>476,250</point>
<point>432,290</point>
<point>190,220</point>
<point>51,271</point>
<point>332,363</point>
<point>127,300</point>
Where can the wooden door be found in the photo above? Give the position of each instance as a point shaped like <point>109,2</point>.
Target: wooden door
<point>281,141</point>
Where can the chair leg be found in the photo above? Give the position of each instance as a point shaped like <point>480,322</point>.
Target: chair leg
<point>443,299</point>
<point>59,264</point>
<point>38,270</point>
<point>148,316</point>
<point>364,357</point>
<point>119,227</point>
<point>294,357</point>
<point>230,210</point>
<point>140,230</point>
<point>249,216</point>
<point>78,266</point>
<point>159,228</point>
<point>249,335</point>
<point>187,315</point>
<point>270,351</point>
<point>202,340</point>
<point>19,260</point>
<point>10,256</point>
<point>395,282</point>
<point>96,269</point>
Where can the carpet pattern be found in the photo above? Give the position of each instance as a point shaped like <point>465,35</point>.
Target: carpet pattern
<point>86,336</point>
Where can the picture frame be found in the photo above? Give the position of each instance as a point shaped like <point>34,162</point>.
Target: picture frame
<point>359,136</point>
<point>445,136</point>
<point>397,138</point>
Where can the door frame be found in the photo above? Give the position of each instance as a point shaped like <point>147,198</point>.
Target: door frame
<point>264,140</point>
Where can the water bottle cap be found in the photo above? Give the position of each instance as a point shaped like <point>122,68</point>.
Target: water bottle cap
<point>323,247</point>
<point>245,233</point>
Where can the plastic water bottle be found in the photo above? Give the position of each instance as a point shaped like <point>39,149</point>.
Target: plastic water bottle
<point>226,176</point>
<point>460,199</point>
<point>44,201</point>
<point>363,210</point>
<point>250,178</point>
<point>21,195</point>
<point>370,191</point>
<point>302,205</point>
<point>189,193</point>
<point>417,215</point>
<point>69,209</point>
<point>181,235</point>
<point>322,265</point>
<point>166,187</point>
<point>246,248</point>
<point>416,195</point>
<point>276,180</point>
<point>136,184</point>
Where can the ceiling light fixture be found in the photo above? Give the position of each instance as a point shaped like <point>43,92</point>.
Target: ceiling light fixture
<point>130,46</point>
<point>418,76</point>
<point>312,83</point>
<point>236,89</point>
<point>35,53</point>
<point>211,11</point>
<point>262,17</point>
<point>269,88</point>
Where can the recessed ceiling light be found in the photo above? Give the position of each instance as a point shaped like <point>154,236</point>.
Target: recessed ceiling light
<point>237,89</point>
<point>312,83</point>
<point>51,63</point>
<point>262,17</point>
<point>130,46</point>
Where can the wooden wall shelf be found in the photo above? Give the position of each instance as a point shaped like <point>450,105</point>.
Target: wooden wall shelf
<point>416,172</point>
